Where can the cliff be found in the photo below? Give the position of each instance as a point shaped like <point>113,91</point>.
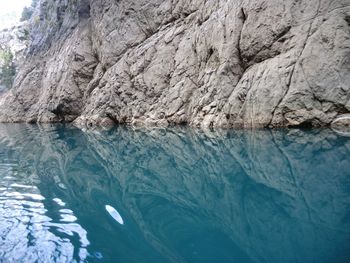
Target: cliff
<point>204,63</point>
<point>13,43</point>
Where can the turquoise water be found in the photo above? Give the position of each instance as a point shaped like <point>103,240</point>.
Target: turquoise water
<point>173,195</point>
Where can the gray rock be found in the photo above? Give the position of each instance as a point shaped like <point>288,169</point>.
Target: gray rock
<point>203,63</point>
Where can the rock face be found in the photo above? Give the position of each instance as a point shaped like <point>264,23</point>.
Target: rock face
<point>15,39</point>
<point>204,63</point>
<point>13,43</point>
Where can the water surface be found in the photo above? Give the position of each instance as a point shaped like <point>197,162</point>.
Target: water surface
<point>173,195</point>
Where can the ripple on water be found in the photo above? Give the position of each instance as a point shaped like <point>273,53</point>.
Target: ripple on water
<point>173,195</point>
<point>28,228</point>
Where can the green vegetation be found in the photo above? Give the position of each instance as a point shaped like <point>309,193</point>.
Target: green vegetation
<point>27,12</point>
<point>34,3</point>
<point>7,68</point>
<point>24,34</point>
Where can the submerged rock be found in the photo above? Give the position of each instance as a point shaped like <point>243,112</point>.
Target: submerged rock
<point>203,63</point>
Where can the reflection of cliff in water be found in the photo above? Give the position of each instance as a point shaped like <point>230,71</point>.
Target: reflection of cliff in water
<point>267,196</point>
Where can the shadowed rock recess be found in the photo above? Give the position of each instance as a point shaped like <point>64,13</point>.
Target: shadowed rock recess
<point>209,63</point>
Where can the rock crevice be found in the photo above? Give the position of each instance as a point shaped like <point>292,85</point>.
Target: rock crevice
<point>202,63</point>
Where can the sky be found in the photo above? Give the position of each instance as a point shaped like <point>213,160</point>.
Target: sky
<point>10,11</point>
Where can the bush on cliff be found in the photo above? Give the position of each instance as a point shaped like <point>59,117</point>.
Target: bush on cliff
<point>27,13</point>
<point>7,68</point>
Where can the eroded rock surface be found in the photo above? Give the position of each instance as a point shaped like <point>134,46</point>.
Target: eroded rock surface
<point>203,63</point>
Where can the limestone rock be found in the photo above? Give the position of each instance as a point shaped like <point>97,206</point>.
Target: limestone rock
<point>13,43</point>
<point>204,63</point>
